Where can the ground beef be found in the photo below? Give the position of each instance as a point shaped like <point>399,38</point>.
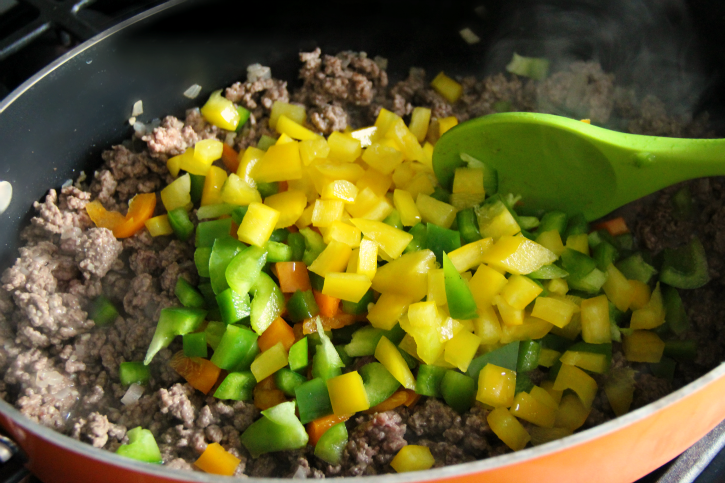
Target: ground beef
<point>373,444</point>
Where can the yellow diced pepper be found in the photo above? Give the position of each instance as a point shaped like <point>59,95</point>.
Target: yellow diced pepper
<point>407,275</point>
<point>445,124</point>
<point>212,192</point>
<point>376,181</point>
<point>571,377</point>
<point>421,183</point>
<point>412,458</point>
<point>619,388</point>
<point>572,413</point>
<point>434,211</point>
<point>518,255</point>
<point>344,233</point>
<point>470,255</point>
<point>530,409</point>
<point>643,346</point>
<point>429,341</point>
<point>287,126</point>
<point>382,158</point>
<point>405,204</point>
<point>543,396</point>
<point>652,314</point>
<point>343,148</point>
<point>485,284</point>
<point>437,287</point>
<point>461,349</point>
<point>557,286</point>
<point>294,112</point>
<point>408,345</point>
<point>571,330</point>
<point>290,204</point>
<point>305,218</point>
<point>208,150</point>
<point>218,461</point>
<point>552,240</point>
<point>468,180</point>
<point>531,328</point>
<point>341,190</point>
<point>237,192</point>
<point>159,226</point>
<point>496,386</point>
<point>326,212</point>
<point>258,224</point>
<point>548,386</point>
<point>496,221</point>
<point>346,286</point>
<point>347,394</point>
<point>508,429</point>
<point>364,135</point>
<point>370,206</point>
<point>548,357</point>
<point>618,288</point>
<point>447,87</point>
<point>419,121</point>
<point>368,258</point>
<point>403,174</point>
<point>311,149</point>
<point>177,193</point>
<point>595,320</point>
<point>520,291</point>
<point>387,310</point>
<point>509,315</point>
<point>428,151</point>
<point>423,314</point>
<point>541,436</point>
<point>284,139</point>
<point>448,327</point>
<point>174,165</point>
<point>389,356</point>
<point>248,160</point>
<point>280,162</point>
<point>461,201</point>
<point>411,148</point>
<point>383,122</point>
<point>579,243</point>
<point>333,258</point>
<point>351,172</point>
<point>487,326</point>
<point>220,111</point>
<point>588,361</point>
<point>641,294</point>
<point>390,239</point>
<point>269,362</point>
<point>554,310</point>
<point>191,164</point>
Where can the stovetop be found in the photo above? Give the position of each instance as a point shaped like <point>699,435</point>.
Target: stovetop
<point>33,33</point>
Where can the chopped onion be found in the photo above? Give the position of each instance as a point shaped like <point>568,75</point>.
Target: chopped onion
<point>66,183</point>
<point>140,128</point>
<point>132,395</point>
<point>229,140</point>
<point>257,72</point>
<point>132,120</point>
<point>6,194</point>
<point>137,109</point>
<point>192,91</point>
<point>470,37</point>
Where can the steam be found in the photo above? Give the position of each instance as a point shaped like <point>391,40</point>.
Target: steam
<point>649,45</point>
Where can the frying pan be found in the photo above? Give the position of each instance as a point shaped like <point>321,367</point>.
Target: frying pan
<point>56,125</point>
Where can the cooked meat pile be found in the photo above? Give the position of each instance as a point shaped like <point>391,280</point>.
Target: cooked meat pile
<point>60,370</point>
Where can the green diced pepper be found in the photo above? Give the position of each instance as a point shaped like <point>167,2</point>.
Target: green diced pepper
<point>313,400</point>
<point>599,236</point>
<point>267,302</point>
<point>197,188</point>
<point>181,224</point>
<point>547,272</point>
<point>523,383</point>
<point>428,381</point>
<point>576,226</point>
<point>302,306</point>
<point>458,390</point>
<point>555,342</point>
<point>440,240</point>
<point>576,263</point>
<point>326,362</point>
<point>141,446</point>
<point>365,340</point>
<point>441,194</point>
<point>410,360</point>
<point>265,142</point>
<point>685,267</point>
<point>102,311</point>
<point>296,242</point>
<point>134,373</point>
<point>554,220</point>
<point>420,233</point>
<point>267,189</point>
<point>331,444</point>
<point>461,303</point>
<point>682,204</point>
<point>232,306</point>
<point>243,117</point>
<point>244,269</point>
<point>468,225</point>
<point>346,359</point>
<point>634,267</point>
<point>208,231</point>
<point>209,212</point>
<point>604,254</point>
<point>624,242</point>
<point>528,358</point>
<point>173,321</point>
<point>195,344</point>
<point>343,335</point>
<point>675,313</point>
<point>681,350</point>
<point>278,252</point>
<point>360,307</point>
<point>246,361</point>
<point>214,331</point>
<point>314,245</point>
<point>224,250</point>
<point>299,355</point>
<point>277,430</point>
<point>664,369</point>
<point>378,382</point>
<point>233,346</point>
<point>287,381</point>
<point>506,357</point>
<point>188,295</point>
<point>393,219</point>
<point>201,260</point>
<point>238,214</point>
<point>237,386</point>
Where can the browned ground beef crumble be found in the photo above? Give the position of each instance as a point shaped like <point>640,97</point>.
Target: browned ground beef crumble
<point>62,371</point>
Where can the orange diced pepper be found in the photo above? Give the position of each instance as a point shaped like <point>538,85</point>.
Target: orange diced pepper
<point>102,217</point>
<point>292,276</point>
<point>266,394</point>
<point>278,331</point>
<point>328,305</point>
<point>200,373</point>
<point>230,158</point>
<point>340,320</point>
<point>140,209</point>
<point>615,226</point>
<point>319,426</point>
<point>217,460</point>
<point>399,398</point>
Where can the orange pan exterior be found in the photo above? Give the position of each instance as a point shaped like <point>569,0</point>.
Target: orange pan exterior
<point>619,451</point>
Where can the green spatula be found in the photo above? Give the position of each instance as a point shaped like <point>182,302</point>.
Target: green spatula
<point>559,163</point>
